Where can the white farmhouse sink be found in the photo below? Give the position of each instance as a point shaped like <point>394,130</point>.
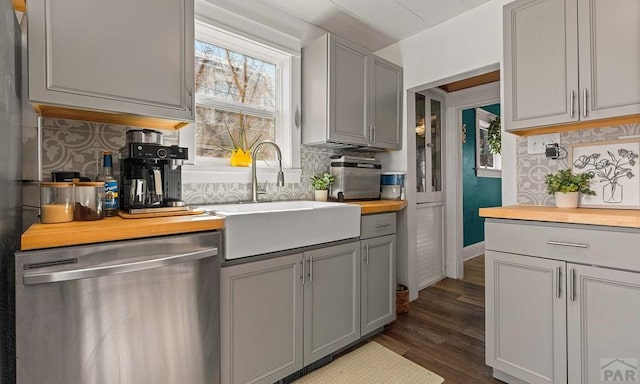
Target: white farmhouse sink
<point>257,228</point>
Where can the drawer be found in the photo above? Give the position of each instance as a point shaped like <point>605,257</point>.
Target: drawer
<point>377,225</point>
<point>613,247</point>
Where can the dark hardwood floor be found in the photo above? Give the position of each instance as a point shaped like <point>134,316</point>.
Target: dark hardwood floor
<point>444,329</point>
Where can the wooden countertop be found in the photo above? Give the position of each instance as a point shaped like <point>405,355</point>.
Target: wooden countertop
<point>40,236</point>
<point>379,206</point>
<point>594,216</point>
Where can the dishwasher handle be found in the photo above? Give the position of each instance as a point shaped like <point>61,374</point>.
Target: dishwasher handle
<point>88,272</point>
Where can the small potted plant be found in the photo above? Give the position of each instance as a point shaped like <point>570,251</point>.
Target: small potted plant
<point>321,184</point>
<point>567,186</point>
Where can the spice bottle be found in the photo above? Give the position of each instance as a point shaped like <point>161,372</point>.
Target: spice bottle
<point>110,185</point>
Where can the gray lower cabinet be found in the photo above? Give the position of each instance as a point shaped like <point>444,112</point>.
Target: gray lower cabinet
<point>112,56</point>
<point>261,320</point>
<point>526,317</point>
<point>350,96</point>
<point>570,60</point>
<point>281,314</point>
<point>378,276</point>
<point>603,317</point>
<point>562,302</point>
<point>331,300</point>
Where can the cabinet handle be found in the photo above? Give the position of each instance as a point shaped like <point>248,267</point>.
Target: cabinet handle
<point>563,244</point>
<point>571,103</point>
<point>303,278</point>
<point>572,285</point>
<point>584,102</point>
<point>370,134</point>
<point>310,269</point>
<point>378,226</point>
<point>367,257</point>
<point>558,281</point>
<point>374,133</point>
<point>190,100</point>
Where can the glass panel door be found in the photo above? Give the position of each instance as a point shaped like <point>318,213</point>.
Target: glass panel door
<point>429,147</point>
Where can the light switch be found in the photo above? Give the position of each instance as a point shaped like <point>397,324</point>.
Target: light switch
<point>537,144</point>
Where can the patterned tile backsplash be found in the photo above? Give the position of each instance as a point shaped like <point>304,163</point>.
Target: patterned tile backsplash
<point>531,169</point>
<point>69,145</point>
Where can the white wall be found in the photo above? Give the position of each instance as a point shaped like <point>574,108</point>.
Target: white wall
<point>465,45</point>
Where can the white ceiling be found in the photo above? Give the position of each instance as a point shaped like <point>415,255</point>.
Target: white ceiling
<point>374,24</point>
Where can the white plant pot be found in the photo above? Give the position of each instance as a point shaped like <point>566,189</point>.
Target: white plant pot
<point>567,200</point>
<point>321,195</point>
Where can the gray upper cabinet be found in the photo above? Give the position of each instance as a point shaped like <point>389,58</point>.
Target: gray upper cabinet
<point>113,56</point>
<point>331,300</point>
<point>350,96</point>
<point>386,104</point>
<point>540,63</point>
<point>568,60</point>
<point>609,58</point>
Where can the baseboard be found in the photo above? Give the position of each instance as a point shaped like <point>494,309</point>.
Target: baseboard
<point>473,250</point>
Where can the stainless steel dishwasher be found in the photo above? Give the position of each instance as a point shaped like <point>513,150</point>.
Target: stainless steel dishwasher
<point>127,312</point>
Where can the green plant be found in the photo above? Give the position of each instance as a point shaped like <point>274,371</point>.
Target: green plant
<point>494,136</point>
<point>321,183</point>
<point>565,181</point>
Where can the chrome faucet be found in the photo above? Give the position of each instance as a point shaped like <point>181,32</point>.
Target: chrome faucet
<point>254,178</point>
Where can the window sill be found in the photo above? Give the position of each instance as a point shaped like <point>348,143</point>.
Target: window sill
<point>228,174</point>
<point>491,173</point>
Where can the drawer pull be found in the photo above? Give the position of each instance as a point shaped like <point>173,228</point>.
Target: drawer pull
<point>563,244</point>
<point>378,226</point>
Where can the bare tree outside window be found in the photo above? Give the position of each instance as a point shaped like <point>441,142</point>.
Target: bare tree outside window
<point>236,101</point>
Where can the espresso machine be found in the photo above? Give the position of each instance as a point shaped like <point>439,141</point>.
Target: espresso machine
<point>151,178</point>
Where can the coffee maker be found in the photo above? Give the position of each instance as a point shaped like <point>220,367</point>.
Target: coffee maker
<point>151,178</point>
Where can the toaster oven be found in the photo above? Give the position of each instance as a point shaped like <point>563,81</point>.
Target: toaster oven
<point>356,178</point>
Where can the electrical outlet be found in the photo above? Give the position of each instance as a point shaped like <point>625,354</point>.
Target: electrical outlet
<point>537,144</point>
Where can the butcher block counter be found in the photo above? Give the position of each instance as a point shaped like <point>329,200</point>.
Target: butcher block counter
<point>629,218</point>
<point>40,236</point>
<point>379,206</point>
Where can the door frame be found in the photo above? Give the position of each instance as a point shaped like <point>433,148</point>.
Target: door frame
<point>478,96</point>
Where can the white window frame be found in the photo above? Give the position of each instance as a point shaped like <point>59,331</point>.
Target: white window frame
<point>201,169</point>
<point>482,171</point>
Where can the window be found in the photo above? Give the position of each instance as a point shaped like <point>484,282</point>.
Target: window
<point>488,164</point>
<point>243,95</point>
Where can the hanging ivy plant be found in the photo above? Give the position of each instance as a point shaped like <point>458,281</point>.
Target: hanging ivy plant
<point>494,136</point>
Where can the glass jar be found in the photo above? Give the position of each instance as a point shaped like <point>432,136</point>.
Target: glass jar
<point>89,201</point>
<point>56,202</point>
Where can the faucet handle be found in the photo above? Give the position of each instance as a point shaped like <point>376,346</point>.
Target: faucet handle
<point>263,190</point>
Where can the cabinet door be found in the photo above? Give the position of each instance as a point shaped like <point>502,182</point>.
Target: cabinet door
<point>526,317</point>
<point>378,304</point>
<point>609,35</point>
<point>540,63</point>
<point>603,318</point>
<point>115,55</point>
<point>429,147</point>
<point>331,300</point>
<point>385,104</point>
<point>348,90</point>
<point>430,247</point>
<point>261,320</point>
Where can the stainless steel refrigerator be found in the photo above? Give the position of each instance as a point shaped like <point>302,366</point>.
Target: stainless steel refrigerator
<point>10,184</point>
